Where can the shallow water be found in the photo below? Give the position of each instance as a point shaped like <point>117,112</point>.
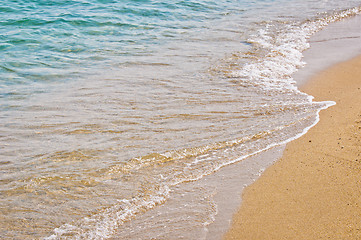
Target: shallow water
<point>108,108</point>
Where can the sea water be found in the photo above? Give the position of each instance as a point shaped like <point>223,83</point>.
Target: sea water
<point>110,109</point>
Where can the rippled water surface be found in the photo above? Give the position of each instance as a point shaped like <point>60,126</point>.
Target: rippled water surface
<point>108,107</point>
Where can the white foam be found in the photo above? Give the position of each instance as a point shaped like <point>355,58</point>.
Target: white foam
<point>283,53</point>
<point>102,225</point>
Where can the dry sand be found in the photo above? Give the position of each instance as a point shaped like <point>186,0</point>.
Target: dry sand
<point>314,190</point>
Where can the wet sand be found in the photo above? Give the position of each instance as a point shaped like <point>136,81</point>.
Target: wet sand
<point>314,190</point>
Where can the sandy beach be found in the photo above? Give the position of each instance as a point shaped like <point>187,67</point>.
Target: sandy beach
<point>314,190</point>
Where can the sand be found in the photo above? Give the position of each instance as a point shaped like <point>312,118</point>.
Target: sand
<point>314,190</point>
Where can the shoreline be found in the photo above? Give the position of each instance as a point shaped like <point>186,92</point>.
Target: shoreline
<point>343,38</point>
<point>312,192</point>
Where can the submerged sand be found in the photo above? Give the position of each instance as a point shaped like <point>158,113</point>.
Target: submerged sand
<point>314,190</point>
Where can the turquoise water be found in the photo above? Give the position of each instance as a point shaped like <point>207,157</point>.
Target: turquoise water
<point>44,41</point>
<point>107,108</point>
